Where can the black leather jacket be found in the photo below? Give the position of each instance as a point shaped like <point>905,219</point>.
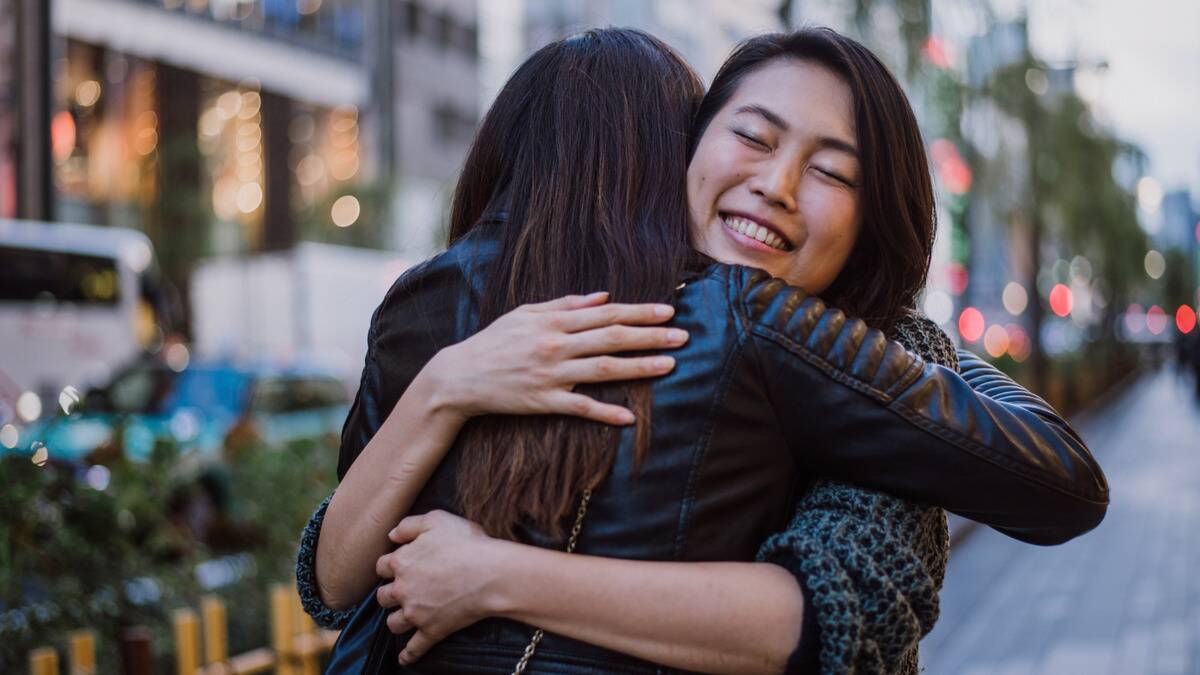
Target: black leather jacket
<point>772,389</point>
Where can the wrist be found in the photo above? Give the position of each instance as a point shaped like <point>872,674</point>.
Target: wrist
<point>499,595</point>
<point>442,392</point>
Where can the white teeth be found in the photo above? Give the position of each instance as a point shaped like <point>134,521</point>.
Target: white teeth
<point>755,231</point>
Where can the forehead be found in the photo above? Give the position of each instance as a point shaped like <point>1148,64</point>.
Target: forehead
<point>808,96</point>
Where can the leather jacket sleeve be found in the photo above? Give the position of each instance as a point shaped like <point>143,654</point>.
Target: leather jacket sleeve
<point>870,565</point>
<point>999,455</point>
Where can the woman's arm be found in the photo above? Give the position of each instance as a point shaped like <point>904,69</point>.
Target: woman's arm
<point>871,564</point>
<point>709,617</point>
<point>867,412</point>
<point>525,362</point>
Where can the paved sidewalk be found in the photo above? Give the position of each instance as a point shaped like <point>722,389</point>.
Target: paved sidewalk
<point>1123,599</point>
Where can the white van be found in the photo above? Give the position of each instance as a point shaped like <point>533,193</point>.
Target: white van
<point>70,310</point>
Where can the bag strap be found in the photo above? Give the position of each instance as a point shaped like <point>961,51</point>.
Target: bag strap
<point>537,635</point>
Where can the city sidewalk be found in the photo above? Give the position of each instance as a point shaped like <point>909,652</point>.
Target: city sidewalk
<point>1124,598</point>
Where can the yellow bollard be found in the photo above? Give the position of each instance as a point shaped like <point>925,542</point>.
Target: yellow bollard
<point>306,643</point>
<point>82,645</point>
<point>216,648</point>
<point>43,661</point>
<point>187,641</point>
<point>283,629</point>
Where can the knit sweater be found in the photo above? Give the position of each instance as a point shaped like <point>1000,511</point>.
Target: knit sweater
<point>870,565</point>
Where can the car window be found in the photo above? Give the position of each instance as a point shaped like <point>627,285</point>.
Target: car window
<point>288,394</point>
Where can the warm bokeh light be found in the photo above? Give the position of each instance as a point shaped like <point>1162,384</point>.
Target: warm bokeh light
<point>995,341</point>
<point>1015,298</point>
<point>1156,320</point>
<point>951,169</point>
<point>1149,194</point>
<point>971,324</point>
<point>62,135</point>
<point>1019,344</point>
<point>345,211</point>
<point>87,93</point>
<point>957,277</point>
<point>1155,264</point>
<point>936,52</point>
<point>1185,319</point>
<point>1060,300</point>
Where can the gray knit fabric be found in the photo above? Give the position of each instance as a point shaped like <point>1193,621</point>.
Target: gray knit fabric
<point>872,563</point>
<point>306,574</point>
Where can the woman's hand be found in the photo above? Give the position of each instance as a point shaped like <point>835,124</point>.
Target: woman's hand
<point>438,578</point>
<point>528,360</point>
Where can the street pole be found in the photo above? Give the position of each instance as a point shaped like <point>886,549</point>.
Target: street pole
<point>35,196</point>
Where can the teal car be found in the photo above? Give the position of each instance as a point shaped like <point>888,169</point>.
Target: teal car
<point>197,409</point>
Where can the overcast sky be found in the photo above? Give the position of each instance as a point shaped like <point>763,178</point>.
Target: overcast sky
<point>1150,93</point>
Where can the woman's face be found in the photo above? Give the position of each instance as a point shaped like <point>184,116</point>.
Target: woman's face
<point>773,182</point>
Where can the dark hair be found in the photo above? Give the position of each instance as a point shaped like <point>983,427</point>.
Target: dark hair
<point>585,151</point>
<point>889,263</point>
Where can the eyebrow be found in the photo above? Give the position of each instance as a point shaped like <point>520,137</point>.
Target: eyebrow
<point>774,119</point>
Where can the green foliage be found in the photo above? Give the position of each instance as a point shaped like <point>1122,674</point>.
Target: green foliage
<point>74,557</point>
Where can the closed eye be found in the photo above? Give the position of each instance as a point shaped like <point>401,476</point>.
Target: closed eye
<point>751,139</point>
<point>841,179</point>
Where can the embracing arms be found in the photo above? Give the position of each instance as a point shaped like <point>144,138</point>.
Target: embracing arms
<point>547,349</point>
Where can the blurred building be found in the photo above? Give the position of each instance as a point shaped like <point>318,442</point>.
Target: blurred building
<point>8,116</point>
<point>234,126</point>
<point>703,31</point>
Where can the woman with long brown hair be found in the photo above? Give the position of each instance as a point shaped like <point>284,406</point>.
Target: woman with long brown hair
<point>573,186</point>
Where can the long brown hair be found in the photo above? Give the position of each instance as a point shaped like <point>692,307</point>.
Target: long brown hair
<point>585,152</point>
<point>888,266</point>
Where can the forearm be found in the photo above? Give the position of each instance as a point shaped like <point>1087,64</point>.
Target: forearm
<point>379,489</point>
<point>716,617</point>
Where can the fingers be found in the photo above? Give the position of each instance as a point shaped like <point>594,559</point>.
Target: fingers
<point>610,339</point>
<point>408,529</point>
<point>569,302</point>
<point>615,369</point>
<point>578,405</point>
<point>609,314</point>
<point>388,596</point>
<point>417,646</point>
<point>397,623</point>
<point>383,566</point>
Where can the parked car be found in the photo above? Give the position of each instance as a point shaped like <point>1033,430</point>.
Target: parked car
<point>198,407</point>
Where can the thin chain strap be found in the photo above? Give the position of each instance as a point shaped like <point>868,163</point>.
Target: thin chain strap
<point>537,635</point>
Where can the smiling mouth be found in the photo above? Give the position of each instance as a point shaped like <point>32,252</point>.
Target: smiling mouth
<point>753,230</point>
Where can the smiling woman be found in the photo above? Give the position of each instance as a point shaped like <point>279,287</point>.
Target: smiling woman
<point>776,194</point>
<point>807,162</point>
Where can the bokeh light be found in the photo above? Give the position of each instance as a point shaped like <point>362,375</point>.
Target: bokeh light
<point>41,454</point>
<point>1060,300</point>
<point>68,398</point>
<point>345,211</point>
<point>1135,319</point>
<point>971,324</point>
<point>1155,264</point>
<point>995,341</point>
<point>1156,320</point>
<point>1149,194</point>
<point>1015,298</point>
<point>1185,319</point>
<point>29,406</point>
<point>178,357</point>
<point>1019,344</point>
<point>9,436</point>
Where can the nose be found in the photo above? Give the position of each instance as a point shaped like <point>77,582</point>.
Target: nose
<point>776,184</point>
